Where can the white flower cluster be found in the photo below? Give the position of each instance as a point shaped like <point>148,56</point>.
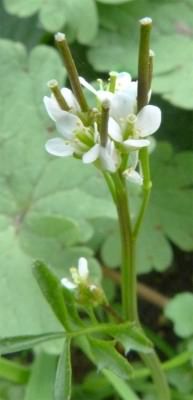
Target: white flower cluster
<point>127,130</point>
<point>85,291</point>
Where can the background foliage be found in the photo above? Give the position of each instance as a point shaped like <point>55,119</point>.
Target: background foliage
<point>58,210</point>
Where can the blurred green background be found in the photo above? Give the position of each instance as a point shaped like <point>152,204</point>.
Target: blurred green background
<point>59,210</point>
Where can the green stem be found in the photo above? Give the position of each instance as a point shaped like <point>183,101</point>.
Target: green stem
<point>129,284</point>
<point>175,362</point>
<point>147,185</point>
<point>71,69</point>
<point>153,363</point>
<point>13,372</point>
<point>128,274</point>
<point>144,77</point>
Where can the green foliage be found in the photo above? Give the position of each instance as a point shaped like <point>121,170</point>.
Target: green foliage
<point>55,15</point>
<point>106,357</point>
<point>113,1</point>
<point>18,343</point>
<point>62,387</point>
<point>169,214</point>
<point>9,391</point>
<point>121,387</point>
<point>131,338</point>
<point>115,46</point>
<point>52,290</point>
<point>36,190</point>
<point>41,382</point>
<point>179,311</point>
<point>25,30</point>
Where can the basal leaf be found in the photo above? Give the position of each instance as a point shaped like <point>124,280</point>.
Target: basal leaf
<point>179,311</point>
<point>169,214</point>
<point>26,30</point>
<point>36,190</point>
<point>115,46</point>
<point>59,14</point>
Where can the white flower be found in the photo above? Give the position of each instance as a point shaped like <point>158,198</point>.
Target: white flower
<point>79,275</point>
<point>107,154</point>
<point>80,140</point>
<point>52,107</point>
<point>130,173</point>
<point>137,128</point>
<point>123,101</point>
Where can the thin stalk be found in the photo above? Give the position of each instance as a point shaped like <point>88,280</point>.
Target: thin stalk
<point>143,62</point>
<point>104,122</point>
<point>147,185</point>
<point>128,272</point>
<point>53,86</point>
<point>144,77</point>
<point>71,69</point>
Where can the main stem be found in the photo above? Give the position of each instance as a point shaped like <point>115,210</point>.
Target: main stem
<point>128,273</point>
<point>129,282</point>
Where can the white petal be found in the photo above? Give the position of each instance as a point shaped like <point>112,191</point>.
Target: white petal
<point>133,159</point>
<point>68,124</point>
<point>70,99</point>
<point>92,288</point>
<point>91,155</point>
<point>123,80</point>
<point>122,104</point>
<point>148,120</point>
<point>103,95</point>
<point>58,147</point>
<point>114,130</point>
<point>87,85</point>
<point>68,284</point>
<point>135,144</point>
<point>52,108</point>
<point>108,159</point>
<point>83,268</point>
<point>133,176</point>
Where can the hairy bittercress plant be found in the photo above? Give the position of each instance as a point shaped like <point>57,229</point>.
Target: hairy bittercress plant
<point>114,136</point>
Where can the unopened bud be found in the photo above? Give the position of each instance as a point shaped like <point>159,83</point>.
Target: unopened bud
<point>59,37</point>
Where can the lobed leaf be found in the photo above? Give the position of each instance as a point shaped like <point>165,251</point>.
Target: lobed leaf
<point>107,357</point>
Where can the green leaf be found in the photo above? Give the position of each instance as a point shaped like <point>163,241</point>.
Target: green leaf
<point>18,343</point>
<point>131,337</point>
<point>115,46</point>
<point>62,388</point>
<point>55,15</point>
<point>179,311</point>
<point>52,290</point>
<point>113,1</point>
<point>121,387</point>
<point>36,190</point>
<point>106,357</point>
<point>41,382</point>
<point>169,214</point>
<point>13,371</point>
<point>16,29</point>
